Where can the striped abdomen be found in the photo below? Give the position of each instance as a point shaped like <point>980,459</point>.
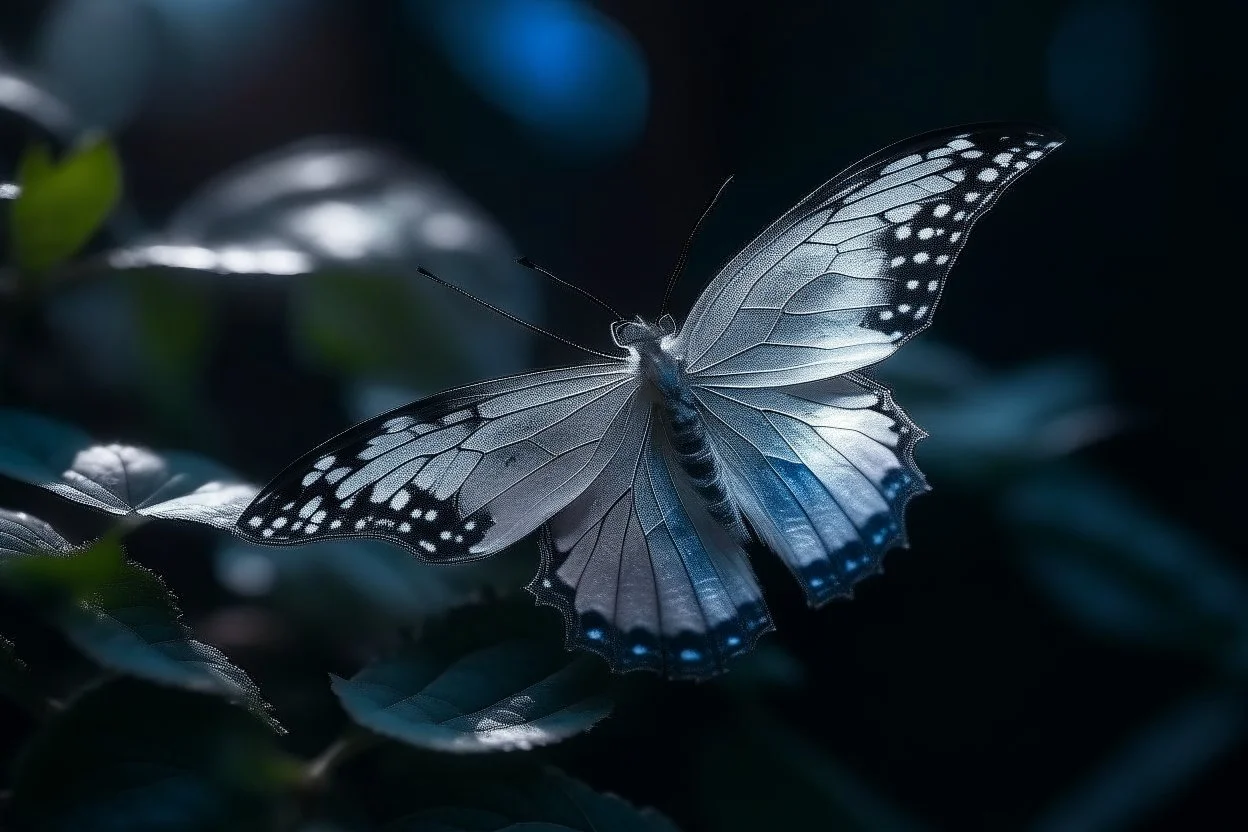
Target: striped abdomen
<point>697,459</point>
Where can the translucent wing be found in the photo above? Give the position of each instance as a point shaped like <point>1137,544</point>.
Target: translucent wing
<point>643,575</point>
<point>458,475</point>
<point>857,267</point>
<point>823,472</point>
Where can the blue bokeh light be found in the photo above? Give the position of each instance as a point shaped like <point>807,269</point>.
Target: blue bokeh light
<point>558,67</point>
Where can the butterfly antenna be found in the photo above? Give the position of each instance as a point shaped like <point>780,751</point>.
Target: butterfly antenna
<point>510,316</point>
<point>684,252</point>
<point>529,264</point>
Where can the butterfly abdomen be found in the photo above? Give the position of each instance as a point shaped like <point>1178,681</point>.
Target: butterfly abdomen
<point>690,441</point>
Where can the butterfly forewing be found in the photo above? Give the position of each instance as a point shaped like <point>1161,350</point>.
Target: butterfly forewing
<point>857,267</point>
<point>455,476</point>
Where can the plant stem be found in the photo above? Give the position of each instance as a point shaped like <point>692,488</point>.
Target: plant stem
<point>352,742</point>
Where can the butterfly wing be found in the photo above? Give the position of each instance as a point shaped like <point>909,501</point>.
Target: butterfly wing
<point>856,268</point>
<point>819,457</point>
<point>823,471</point>
<point>458,475</point>
<point>642,573</point>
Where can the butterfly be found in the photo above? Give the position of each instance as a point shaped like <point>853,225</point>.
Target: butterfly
<point>751,426</point>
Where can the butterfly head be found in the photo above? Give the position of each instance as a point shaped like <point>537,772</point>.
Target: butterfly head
<point>630,334</point>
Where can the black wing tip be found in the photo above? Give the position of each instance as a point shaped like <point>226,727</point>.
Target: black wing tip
<point>1052,138</point>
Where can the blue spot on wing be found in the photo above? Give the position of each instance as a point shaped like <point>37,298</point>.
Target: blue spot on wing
<point>684,655</point>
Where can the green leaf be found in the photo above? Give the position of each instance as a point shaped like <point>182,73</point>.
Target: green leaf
<point>145,759</point>
<point>63,204</point>
<point>119,479</point>
<point>376,324</point>
<point>173,322</point>
<point>118,613</point>
<point>1121,568</point>
<point>485,678</point>
<point>362,583</point>
<point>763,775</point>
<point>15,682</point>
<point>543,800</point>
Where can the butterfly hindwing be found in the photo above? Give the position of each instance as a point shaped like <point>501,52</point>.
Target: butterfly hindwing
<point>643,575</point>
<point>456,476</point>
<point>823,472</point>
<point>857,267</point>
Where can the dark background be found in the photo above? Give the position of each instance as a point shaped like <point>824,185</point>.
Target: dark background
<point>952,689</point>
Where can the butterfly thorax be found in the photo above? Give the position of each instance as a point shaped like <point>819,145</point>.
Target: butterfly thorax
<point>681,416</point>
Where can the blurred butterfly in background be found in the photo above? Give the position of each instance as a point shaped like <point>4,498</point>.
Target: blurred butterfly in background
<point>651,474</point>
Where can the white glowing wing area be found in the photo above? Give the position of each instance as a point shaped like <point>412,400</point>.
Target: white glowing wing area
<point>456,476</point>
<point>857,267</point>
<point>823,472</point>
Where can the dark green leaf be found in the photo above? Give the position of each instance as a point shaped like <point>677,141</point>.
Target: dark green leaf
<point>482,679</point>
<point>62,204</point>
<point>1005,424</point>
<point>145,759</point>
<point>119,479</point>
<point>928,371</point>
<point>763,775</point>
<point>768,667</point>
<point>118,613</point>
<point>173,323</point>
<point>22,535</point>
<point>1168,754</point>
<point>1121,568</point>
<point>15,682</point>
<point>374,324</point>
<point>544,800</point>
<point>362,581</point>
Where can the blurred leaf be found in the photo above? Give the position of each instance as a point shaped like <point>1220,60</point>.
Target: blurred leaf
<point>15,682</point>
<point>544,800</point>
<point>769,667</point>
<point>349,582</point>
<point>22,535</point>
<point>41,112</point>
<point>62,204</point>
<point>1120,567</point>
<point>360,324</point>
<point>118,613</point>
<point>119,479</point>
<point>485,678</point>
<point>927,370</point>
<point>1168,754</point>
<point>341,209</point>
<point>763,775</point>
<point>174,325</point>
<point>1005,424</point>
<point>140,758</point>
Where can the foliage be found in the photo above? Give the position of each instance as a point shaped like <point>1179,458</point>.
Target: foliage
<point>164,730</point>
